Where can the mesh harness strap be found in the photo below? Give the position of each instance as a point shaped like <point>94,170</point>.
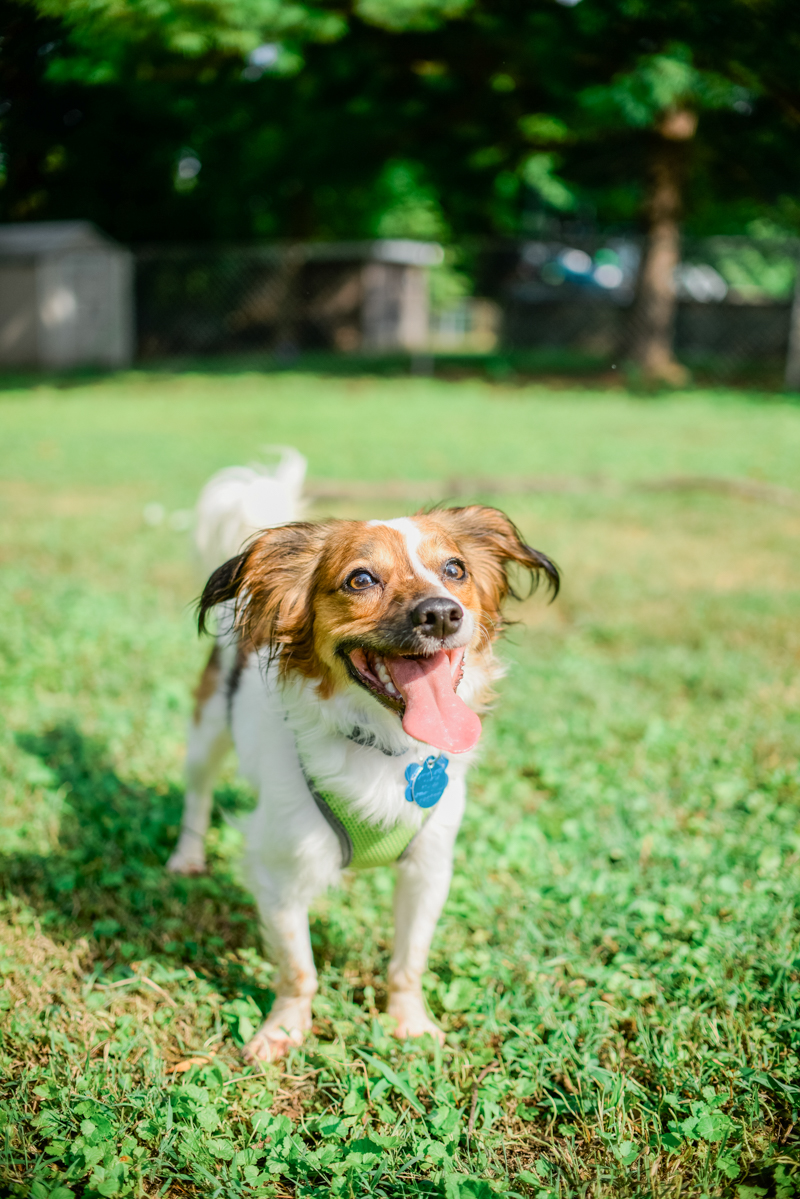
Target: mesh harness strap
<point>362,844</point>
<point>345,844</point>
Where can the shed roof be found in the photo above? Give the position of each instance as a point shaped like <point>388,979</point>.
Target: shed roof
<point>50,237</point>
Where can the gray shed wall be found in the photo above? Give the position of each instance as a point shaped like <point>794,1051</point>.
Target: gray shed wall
<point>18,342</point>
<point>85,312</point>
<point>62,305</point>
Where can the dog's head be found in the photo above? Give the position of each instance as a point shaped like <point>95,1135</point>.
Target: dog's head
<point>387,606</point>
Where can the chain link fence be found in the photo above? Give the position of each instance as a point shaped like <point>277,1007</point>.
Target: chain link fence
<point>352,296</point>
<point>569,297</point>
<point>735,300</point>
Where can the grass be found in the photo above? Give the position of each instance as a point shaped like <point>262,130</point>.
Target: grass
<point>618,965</point>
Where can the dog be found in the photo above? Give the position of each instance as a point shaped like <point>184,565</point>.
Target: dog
<point>351,663</point>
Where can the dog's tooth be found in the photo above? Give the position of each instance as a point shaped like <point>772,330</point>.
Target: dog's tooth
<point>382,672</point>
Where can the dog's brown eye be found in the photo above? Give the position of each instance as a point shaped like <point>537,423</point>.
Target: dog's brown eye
<point>360,580</point>
<point>454,569</point>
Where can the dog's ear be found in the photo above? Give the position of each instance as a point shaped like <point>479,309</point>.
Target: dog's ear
<point>224,584</point>
<point>270,586</point>
<point>490,543</point>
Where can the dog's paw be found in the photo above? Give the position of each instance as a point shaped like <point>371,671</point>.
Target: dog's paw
<point>185,861</point>
<point>412,1019</point>
<point>271,1046</point>
<point>284,1029</point>
<point>189,856</point>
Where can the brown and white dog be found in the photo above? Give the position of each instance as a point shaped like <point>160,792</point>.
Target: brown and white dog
<point>348,654</point>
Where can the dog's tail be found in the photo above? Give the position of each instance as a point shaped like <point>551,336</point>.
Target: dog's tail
<point>240,500</point>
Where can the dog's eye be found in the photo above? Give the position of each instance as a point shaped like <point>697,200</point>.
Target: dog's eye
<point>360,580</point>
<point>454,569</point>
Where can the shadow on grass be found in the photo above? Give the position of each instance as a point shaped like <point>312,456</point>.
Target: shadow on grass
<point>551,365</point>
<point>498,366</point>
<point>107,880</point>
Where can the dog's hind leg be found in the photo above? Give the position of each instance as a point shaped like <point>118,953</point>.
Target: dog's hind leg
<point>288,942</point>
<point>209,740</point>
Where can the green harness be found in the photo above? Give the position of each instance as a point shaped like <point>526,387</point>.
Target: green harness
<point>363,844</point>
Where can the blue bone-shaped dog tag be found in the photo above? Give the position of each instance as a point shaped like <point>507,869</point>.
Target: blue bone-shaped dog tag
<point>426,783</point>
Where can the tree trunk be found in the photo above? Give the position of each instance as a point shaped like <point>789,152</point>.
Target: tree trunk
<point>651,330</point>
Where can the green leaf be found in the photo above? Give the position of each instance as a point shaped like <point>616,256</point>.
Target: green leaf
<point>267,1122</point>
<point>626,1152</point>
<point>221,1147</point>
<point>208,1117</point>
<point>727,1165</point>
<point>397,1082</point>
<point>331,1126</point>
<point>460,995</point>
<point>401,15</point>
<point>435,1150</point>
<point>713,1126</point>
<point>537,171</point>
<point>363,1152</point>
<point>106,928</point>
<point>539,127</point>
<point>462,1186</point>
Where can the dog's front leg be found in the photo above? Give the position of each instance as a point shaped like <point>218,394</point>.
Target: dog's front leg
<point>288,942</point>
<point>422,885</point>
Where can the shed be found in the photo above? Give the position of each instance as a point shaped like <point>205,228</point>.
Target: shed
<point>66,296</point>
<point>353,296</point>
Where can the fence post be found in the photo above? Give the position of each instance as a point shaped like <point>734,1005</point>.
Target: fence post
<point>792,378</point>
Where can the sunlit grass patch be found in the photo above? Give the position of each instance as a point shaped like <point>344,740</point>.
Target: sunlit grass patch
<point>617,968</point>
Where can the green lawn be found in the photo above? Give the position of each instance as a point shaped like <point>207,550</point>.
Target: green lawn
<point>618,966</point>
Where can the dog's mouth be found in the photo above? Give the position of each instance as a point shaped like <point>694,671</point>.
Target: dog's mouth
<point>422,690</point>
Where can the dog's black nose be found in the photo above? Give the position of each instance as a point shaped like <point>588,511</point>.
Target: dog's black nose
<point>437,617</point>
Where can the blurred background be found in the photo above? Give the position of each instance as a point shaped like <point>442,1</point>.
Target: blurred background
<point>555,186</point>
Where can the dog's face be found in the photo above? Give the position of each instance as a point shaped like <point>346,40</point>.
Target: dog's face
<point>390,607</point>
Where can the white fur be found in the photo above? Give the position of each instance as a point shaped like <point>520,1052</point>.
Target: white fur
<point>236,503</point>
<point>291,853</point>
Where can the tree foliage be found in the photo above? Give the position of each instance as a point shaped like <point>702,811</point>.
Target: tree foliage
<point>314,120</point>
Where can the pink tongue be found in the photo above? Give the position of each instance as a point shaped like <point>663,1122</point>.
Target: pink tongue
<point>434,713</point>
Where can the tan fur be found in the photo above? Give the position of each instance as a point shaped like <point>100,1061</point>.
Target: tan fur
<point>488,542</point>
<point>209,681</point>
<point>289,584</point>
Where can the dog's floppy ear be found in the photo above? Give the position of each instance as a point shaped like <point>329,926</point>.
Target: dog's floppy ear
<point>224,584</point>
<point>491,543</point>
<point>270,585</point>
